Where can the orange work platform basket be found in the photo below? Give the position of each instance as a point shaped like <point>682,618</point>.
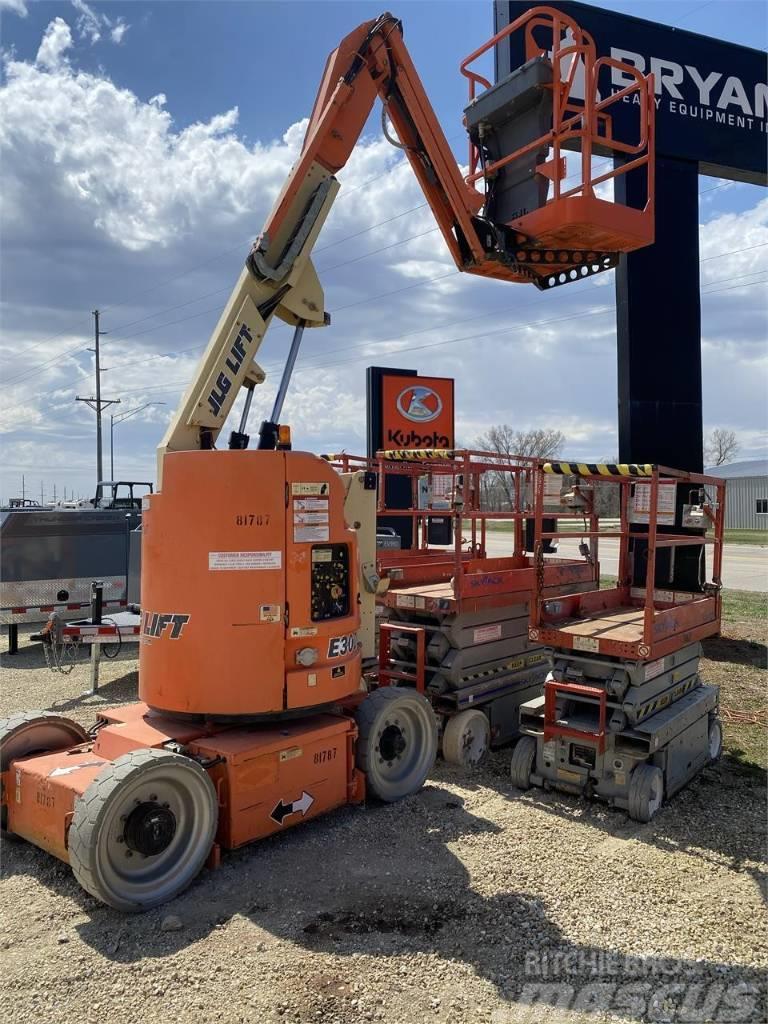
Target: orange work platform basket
<point>520,128</point>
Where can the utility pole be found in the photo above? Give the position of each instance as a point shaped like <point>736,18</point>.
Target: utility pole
<point>98,403</point>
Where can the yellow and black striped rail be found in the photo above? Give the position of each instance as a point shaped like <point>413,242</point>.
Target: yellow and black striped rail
<point>509,666</point>
<point>599,468</point>
<point>401,454</point>
<point>646,710</point>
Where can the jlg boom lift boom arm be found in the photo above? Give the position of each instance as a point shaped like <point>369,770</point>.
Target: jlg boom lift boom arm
<point>511,230</point>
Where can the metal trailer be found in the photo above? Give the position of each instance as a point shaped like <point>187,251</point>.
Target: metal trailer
<point>50,556</point>
<point>624,715</point>
<point>62,640</point>
<point>454,621</point>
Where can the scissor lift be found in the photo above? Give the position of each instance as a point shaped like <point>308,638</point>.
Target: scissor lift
<point>454,618</point>
<point>624,715</point>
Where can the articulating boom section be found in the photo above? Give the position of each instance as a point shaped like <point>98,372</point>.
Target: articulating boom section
<point>511,230</point>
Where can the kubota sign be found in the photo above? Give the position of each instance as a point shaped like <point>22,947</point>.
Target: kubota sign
<point>417,412</point>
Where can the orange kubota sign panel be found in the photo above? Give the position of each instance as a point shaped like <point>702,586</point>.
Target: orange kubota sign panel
<point>417,412</point>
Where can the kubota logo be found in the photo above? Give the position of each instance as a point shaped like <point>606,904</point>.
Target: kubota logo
<point>419,404</point>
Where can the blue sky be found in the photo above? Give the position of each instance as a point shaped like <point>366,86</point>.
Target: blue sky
<point>143,146</point>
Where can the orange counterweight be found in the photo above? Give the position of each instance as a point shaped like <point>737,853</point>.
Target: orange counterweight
<point>266,779</point>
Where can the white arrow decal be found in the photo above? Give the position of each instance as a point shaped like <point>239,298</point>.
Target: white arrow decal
<point>283,810</point>
<point>304,804</point>
<point>74,768</point>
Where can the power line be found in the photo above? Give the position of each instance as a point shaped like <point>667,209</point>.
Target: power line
<point>33,372</point>
<point>324,270</point>
<point>350,305</point>
<point>168,309</point>
<point>121,327</point>
<point>373,298</point>
<point>451,341</point>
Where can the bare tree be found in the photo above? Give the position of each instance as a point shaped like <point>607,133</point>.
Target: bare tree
<point>721,446</point>
<point>538,444</point>
<point>503,440</point>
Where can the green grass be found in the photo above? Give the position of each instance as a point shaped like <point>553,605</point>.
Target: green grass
<point>747,537</point>
<point>746,606</point>
<point>737,661</point>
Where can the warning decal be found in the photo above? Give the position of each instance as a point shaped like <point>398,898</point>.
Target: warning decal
<point>310,534</point>
<point>483,634</point>
<point>299,489</point>
<point>586,643</point>
<point>665,507</point>
<point>310,505</point>
<point>240,560</point>
<point>310,517</point>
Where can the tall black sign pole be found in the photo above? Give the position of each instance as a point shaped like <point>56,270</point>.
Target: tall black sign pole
<point>658,325</point>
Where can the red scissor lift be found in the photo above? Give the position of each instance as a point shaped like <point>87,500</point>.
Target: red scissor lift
<point>455,613</point>
<point>624,714</point>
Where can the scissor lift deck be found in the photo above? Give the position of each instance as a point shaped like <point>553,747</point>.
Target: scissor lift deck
<point>629,621</point>
<point>624,715</point>
<point>481,583</point>
<point>621,630</point>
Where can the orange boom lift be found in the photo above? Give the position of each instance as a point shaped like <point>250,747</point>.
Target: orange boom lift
<point>253,714</point>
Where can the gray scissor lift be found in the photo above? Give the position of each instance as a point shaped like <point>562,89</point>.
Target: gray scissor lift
<point>624,715</point>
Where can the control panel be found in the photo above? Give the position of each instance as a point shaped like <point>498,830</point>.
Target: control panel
<point>330,581</point>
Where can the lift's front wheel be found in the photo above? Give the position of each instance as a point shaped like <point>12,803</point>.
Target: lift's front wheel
<point>646,792</point>
<point>397,742</point>
<point>34,732</point>
<point>715,739</point>
<point>466,738</point>
<point>143,829</point>
<point>523,759</point>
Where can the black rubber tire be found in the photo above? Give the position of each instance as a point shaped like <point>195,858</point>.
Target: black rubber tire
<point>523,759</point>
<point>646,792</point>
<point>409,714</point>
<point>97,850</point>
<point>715,739</point>
<point>34,732</point>
<point>467,738</point>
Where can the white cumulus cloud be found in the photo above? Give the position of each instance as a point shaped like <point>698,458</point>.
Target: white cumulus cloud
<point>17,6</point>
<point>56,41</point>
<point>91,24</point>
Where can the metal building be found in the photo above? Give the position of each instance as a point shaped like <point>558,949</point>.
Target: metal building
<point>746,494</point>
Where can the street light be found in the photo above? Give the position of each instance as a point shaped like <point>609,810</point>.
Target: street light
<point>118,419</point>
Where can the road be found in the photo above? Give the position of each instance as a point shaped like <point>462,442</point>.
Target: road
<point>745,566</point>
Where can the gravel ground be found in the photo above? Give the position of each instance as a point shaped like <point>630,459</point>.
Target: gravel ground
<point>468,902</point>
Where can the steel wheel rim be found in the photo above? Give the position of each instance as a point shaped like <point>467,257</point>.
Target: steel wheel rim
<point>654,796</point>
<point>474,742</point>
<point>411,725</point>
<point>715,740</point>
<point>132,875</point>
